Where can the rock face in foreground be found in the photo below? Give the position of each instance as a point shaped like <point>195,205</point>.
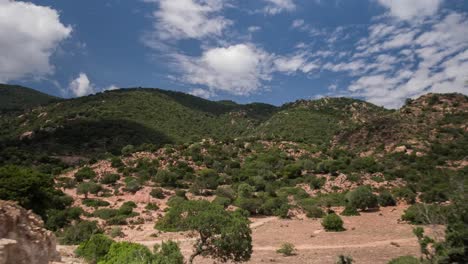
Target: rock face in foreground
<point>23,239</point>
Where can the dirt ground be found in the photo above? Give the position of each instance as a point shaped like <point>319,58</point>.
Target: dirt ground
<point>374,237</point>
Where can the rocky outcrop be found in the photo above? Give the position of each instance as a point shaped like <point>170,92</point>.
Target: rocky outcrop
<point>23,239</point>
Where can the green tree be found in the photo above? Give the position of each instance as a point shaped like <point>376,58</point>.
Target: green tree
<point>362,198</point>
<point>32,190</point>
<point>222,235</point>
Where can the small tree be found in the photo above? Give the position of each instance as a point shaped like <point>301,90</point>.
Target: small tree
<point>332,222</point>
<point>222,235</point>
<point>362,198</point>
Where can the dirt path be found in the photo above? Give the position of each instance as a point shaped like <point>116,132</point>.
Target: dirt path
<point>256,223</point>
<point>400,242</point>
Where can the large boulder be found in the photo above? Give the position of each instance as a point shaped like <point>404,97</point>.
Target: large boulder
<point>23,238</point>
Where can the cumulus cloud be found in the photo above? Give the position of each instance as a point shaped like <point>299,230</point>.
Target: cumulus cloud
<point>81,86</point>
<point>188,19</point>
<point>236,69</point>
<point>410,9</point>
<point>277,6</point>
<point>30,34</point>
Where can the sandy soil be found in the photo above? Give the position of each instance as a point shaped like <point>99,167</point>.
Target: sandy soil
<point>374,237</point>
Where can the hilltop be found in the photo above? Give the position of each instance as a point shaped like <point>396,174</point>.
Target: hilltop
<point>15,97</point>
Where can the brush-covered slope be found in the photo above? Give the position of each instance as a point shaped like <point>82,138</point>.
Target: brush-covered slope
<point>317,121</point>
<point>14,97</point>
<point>107,121</point>
<point>433,121</point>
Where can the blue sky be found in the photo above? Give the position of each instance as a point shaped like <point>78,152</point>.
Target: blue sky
<point>272,51</point>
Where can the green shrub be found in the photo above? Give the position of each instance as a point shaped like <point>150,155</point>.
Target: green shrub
<point>350,211</point>
<point>117,163</point>
<point>57,219</point>
<point>85,173</point>
<point>386,199</point>
<point>342,259</point>
<point>405,194</point>
<point>95,248</point>
<point>316,182</point>
<point>78,233</point>
<point>110,178</point>
<point>405,260</point>
<point>88,187</point>
<point>105,213</point>
<point>168,253</point>
<point>152,207</point>
<point>332,222</point>
<point>418,214</point>
<point>132,185</point>
<point>157,193</point>
<point>166,178</point>
<point>313,211</point>
<point>127,253</point>
<point>117,220</point>
<point>362,198</point>
<point>95,202</point>
<point>226,191</point>
<point>116,231</point>
<point>287,249</point>
<point>223,201</point>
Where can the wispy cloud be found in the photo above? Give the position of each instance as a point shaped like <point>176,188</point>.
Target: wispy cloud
<point>274,7</point>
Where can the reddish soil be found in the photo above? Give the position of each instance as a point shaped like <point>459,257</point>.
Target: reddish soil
<point>374,237</point>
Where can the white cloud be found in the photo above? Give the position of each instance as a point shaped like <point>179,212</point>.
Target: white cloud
<point>29,35</point>
<point>429,58</point>
<point>185,19</point>
<point>297,23</point>
<point>202,93</point>
<point>410,9</point>
<point>291,64</point>
<point>277,6</point>
<point>254,29</point>
<point>237,69</point>
<point>81,86</point>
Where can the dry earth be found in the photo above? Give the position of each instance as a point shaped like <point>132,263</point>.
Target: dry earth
<point>374,237</point>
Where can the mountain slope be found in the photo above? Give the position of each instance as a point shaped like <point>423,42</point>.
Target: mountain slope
<point>317,121</point>
<point>14,97</point>
<point>131,116</point>
<point>106,122</point>
<point>431,120</point>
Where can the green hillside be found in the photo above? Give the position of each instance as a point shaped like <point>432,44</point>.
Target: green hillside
<point>14,97</point>
<point>149,118</point>
<point>317,121</point>
<point>107,121</point>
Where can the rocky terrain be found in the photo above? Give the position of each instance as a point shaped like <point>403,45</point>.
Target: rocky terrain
<point>23,238</point>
